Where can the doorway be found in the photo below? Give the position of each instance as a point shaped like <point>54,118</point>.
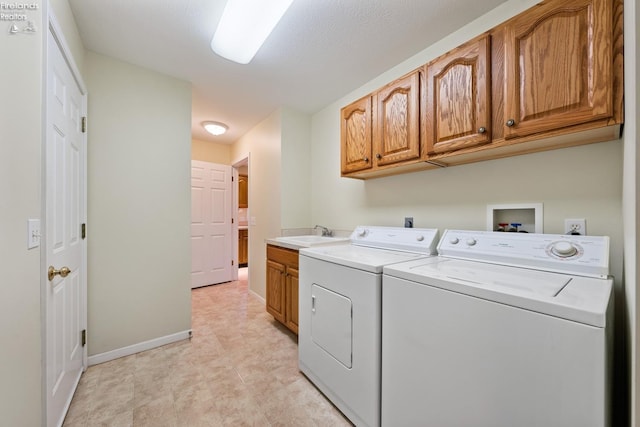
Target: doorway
<point>242,209</point>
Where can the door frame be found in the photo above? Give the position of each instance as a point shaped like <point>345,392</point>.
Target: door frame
<point>54,30</point>
<point>242,160</point>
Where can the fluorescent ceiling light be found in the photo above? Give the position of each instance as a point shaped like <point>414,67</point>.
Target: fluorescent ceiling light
<point>245,25</point>
<point>215,128</point>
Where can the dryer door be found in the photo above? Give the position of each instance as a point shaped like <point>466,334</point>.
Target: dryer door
<point>331,323</point>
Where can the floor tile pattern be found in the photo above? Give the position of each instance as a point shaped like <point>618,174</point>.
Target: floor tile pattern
<point>240,368</point>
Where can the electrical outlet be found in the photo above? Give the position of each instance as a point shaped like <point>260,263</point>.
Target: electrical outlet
<point>575,226</point>
<point>408,222</point>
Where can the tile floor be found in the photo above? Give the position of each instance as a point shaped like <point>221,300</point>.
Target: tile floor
<point>239,369</point>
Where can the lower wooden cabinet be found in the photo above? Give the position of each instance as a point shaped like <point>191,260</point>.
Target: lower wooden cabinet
<point>291,300</point>
<point>243,248</point>
<point>282,286</point>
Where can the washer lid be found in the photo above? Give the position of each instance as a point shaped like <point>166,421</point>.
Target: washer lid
<point>576,298</point>
<point>360,257</point>
<point>511,280</point>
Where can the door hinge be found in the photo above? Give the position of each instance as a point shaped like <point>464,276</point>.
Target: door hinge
<point>84,337</point>
<point>232,262</point>
<point>83,231</point>
<point>232,221</point>
<point>84,124</point>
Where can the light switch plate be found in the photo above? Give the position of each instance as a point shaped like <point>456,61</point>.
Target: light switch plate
<point>33,233</point>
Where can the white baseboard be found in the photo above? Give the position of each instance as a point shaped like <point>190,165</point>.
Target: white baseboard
<point>137,348</point>
<point>259,297</point>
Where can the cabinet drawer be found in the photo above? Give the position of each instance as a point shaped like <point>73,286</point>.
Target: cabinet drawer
<point>284,256</point>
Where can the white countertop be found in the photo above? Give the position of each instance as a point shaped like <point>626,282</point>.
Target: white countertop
<point>305,241</point>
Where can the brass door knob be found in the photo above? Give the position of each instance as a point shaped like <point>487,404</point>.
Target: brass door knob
<point>63,272</point>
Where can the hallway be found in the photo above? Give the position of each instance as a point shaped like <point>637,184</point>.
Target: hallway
<point>240,368</point>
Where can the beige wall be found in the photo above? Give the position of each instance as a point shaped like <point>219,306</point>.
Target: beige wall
<point>580,182</point>
<point>630,198</point>
<point>139,260</point>
<point>21,190</point>
<point>67,23</point>
<point>296,164</point>
<point>207,151</point>
<point>262,145</point>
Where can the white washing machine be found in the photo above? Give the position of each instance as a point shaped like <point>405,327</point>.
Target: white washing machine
<point>501,329</point>
<point>339,313</point>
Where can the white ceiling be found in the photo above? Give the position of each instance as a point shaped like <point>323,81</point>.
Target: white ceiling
<point>320,51</point>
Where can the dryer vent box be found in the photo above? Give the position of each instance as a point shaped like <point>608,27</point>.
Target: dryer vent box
<point>529,215</point>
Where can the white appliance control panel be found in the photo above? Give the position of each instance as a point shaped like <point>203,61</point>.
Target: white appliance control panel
<point>420,240</point>
<point>579,255</point>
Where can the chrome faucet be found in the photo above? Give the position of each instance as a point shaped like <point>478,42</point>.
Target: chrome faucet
<point>325,230</point>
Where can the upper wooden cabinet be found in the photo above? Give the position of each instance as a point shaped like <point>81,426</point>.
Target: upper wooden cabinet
<point>458,107</point>
<point>382,129</point>
<point>558,66</point>
<point>550,77</point>
<point>355,134</point>
<point>243,191</point>
<point>396,134</point>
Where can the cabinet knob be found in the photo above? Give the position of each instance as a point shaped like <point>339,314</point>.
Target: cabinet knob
<point>366,159</point>
<point>378,156</point>
<point>482,129</point>
<point>510,122</point>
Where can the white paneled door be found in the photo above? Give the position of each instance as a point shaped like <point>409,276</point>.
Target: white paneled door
<point>64,292</point>
<point>211,224</point>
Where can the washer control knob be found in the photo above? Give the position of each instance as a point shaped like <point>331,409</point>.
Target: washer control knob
<point>454,240</point>
<point>471,241</point>
<point>362,232</point>
<point>564,249</point>
<point>420,238</point>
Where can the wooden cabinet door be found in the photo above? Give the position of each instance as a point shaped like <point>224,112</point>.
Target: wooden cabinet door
<point>397,126</point>
<point>558,66</point>
<point>243,247</point>
<point>276,291</point>
<point>243,191</point>
<point>292,299</point>
<point>355,136</point>
<point>458,107</point>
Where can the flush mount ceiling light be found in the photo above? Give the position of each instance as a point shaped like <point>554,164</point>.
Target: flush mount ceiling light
<point>244,26</point>
<point>215,128</point>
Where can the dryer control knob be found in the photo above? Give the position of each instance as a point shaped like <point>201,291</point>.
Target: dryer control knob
<point>471,241</point>
<point>420,238</point>
<point>454,240</point>
<point>564,249</point>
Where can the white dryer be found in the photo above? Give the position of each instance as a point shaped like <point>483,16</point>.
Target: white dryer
<point>502,329</point>
<point>340,313</point>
